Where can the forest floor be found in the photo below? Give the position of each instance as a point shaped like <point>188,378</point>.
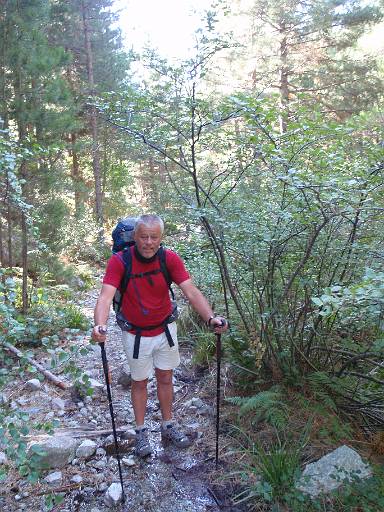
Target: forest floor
<point>170,479</point>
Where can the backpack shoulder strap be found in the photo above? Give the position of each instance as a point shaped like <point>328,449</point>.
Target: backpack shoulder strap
<point>163,267</point>
<point>127,260</point>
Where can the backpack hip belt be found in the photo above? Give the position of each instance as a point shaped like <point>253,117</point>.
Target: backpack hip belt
<point>125,325</point>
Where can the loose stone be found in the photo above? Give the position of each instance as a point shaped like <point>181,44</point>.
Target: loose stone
<point>86,449</point>
<point>53,478</point>
<point>114,495</point>
<point>33,384</point>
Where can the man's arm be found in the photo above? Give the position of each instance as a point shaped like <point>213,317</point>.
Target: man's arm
<point>101,312</point>
<point>202,307</point>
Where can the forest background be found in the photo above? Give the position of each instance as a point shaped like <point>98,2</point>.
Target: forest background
<point>263,152</point>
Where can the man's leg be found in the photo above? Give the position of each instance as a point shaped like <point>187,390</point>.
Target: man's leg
<point>139,403</point>
<point>166,358</point>
<point>139,397</point>
<point>165,392</point>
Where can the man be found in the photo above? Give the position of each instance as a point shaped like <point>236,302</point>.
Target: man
<point>147,307</point>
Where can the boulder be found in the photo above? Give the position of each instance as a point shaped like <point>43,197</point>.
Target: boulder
<point>129,461</point>
<point>97,387</point>
<point>77,479</point>
<point>55,451</point>
<point>329,472</point>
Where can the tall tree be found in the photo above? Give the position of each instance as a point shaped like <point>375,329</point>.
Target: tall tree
<point>301,48</point>
<point>97,65</point>
<point>86,14</point>
<point>36,100</point>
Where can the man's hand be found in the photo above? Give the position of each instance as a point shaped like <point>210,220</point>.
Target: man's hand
<point>218,324</point>
<point>99,333</point>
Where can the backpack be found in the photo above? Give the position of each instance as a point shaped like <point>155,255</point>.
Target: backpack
<point>122,235</point>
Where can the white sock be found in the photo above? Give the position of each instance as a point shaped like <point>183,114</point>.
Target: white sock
<point>139,428</point>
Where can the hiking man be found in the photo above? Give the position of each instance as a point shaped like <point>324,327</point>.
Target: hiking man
<point>147,310</point>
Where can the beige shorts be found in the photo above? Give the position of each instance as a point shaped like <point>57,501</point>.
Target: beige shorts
<point>154,352</point>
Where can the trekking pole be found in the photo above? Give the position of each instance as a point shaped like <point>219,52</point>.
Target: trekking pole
<point>218,359</point>
<point>106,375</point>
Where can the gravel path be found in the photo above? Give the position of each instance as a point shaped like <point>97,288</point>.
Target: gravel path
<point>169,480</point>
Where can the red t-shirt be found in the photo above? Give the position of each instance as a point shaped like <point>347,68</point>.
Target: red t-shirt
<point>146,300</point>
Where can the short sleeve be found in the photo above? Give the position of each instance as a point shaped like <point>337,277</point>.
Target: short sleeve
<point>114,271</point>
<point>176,267</point>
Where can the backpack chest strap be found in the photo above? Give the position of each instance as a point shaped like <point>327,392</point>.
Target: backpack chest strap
<point>144,274</point>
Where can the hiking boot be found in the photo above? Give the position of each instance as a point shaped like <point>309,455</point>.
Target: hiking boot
<point>142,446</point>
<point>171,434</point>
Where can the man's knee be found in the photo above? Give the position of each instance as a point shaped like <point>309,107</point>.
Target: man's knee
<point>164,377</point>
<point>139,384</point>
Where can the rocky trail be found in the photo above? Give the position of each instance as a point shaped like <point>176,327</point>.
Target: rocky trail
<point>83,465</point>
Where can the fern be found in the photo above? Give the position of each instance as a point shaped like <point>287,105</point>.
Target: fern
<point>267,406</point>
<point>324,388</point>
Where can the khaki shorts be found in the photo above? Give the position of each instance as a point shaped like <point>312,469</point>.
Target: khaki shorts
<point>154,352</point>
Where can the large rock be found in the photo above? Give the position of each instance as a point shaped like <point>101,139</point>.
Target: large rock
<point>55,451</point>
<point>329,472</point>
<point>58,404</point>
<point>114,495</point>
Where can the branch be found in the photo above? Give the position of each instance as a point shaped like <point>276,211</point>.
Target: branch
<point>59,383</point>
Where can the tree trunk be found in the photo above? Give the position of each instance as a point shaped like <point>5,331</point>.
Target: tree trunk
<point>93,122</point>
<point>76,176</point>
<point>9,227</point>
<point>24,255</point>
<point>283,80</point>
<point>2,262</point>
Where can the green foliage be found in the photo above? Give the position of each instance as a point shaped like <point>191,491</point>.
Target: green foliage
<point>268,406</point>
<point>45,321</point>
<point>73,318</point>
<point>15,426</point>
<point>324,388</point>
<point>204,348</point>
<point>270,473</point>
<point>53,500</point>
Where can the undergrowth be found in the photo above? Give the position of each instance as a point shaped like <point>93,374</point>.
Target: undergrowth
<point>277,431</point>
<point>52,327</point>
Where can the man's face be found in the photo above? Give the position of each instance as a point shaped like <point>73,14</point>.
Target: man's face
<point>148,240</point>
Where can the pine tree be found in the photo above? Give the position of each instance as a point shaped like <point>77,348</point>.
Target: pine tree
<point>97,65</point>
<point>36,102</point>
<point>308,49</point>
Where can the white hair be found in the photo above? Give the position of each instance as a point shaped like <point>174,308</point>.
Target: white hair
<point>149,221</point>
